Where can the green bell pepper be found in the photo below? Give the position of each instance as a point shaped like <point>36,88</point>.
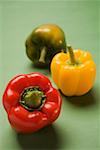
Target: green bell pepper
<point>43,43</point>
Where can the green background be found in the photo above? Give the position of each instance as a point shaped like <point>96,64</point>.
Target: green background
<point>78,126</point>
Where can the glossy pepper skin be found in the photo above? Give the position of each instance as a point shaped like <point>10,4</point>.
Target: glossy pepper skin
<point>74,72</point>
<point>43,43</point>
<point>20,118</point>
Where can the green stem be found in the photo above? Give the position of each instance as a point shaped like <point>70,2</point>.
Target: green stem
<point>71,53</point>
<point>32,98</point>
<point>42,55</point>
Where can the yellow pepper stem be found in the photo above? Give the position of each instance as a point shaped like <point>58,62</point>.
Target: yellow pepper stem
<point>71,53</point>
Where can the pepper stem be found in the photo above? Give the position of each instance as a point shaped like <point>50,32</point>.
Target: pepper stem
<point>72,56</point>
<point>42,55</point>
<point>32,98</point>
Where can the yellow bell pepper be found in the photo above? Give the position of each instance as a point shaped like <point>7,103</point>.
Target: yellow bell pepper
<point>73,72</point>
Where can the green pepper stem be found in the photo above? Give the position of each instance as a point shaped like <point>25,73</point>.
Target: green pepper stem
<point>71,53</point>
<point>42,55</point>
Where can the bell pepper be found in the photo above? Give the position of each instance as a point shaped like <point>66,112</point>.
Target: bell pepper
<point>43,43</point>
<point>74,72</point>
<point>31,102</point>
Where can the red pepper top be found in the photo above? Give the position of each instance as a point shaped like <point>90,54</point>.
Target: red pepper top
<point>22,119</point>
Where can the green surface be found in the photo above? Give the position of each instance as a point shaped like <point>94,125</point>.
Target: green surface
<point>78,126</point>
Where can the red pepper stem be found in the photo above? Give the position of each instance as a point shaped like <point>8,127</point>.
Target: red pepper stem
<point>42,55</point>
<point>32,98</point>
<point>71,53</point>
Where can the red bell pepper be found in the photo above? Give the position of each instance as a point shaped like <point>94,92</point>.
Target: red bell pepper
<point>31,102</point>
